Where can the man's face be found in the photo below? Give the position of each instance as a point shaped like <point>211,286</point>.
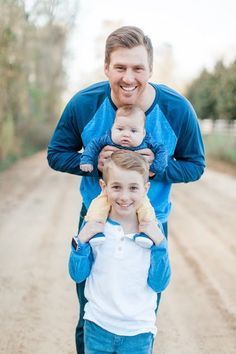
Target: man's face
<point>125,190</point>
<point>128,73</point>
<point>128,131</point>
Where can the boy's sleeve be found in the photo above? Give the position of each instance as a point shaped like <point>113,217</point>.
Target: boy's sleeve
<point>80,262</point>
<point>159,272</point>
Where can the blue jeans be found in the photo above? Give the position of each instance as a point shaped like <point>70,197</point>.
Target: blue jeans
<point>79,332</point>
<point>99,341</point>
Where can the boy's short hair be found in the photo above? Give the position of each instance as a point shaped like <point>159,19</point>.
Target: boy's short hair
<point>127,160</point>
<point>130,110</point>
<point>128,37</point>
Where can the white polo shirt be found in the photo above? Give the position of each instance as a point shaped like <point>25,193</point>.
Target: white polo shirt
<point>119,297</point>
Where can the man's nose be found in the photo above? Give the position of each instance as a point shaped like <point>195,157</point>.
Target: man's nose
<point>128,77</point>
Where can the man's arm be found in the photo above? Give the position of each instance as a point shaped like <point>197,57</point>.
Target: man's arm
<point>65,144</point>
<point>188,161</point>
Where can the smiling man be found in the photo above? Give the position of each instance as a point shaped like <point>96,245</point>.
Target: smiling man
<point>170,119</point>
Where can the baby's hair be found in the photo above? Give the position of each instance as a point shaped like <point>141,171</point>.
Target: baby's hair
<point>127,160</point>
<point>130,110</point>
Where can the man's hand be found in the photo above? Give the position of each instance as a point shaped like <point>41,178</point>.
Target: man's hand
<point>90,229</point>
<point>148,154</point>
<point>105,154</point>
<point>152,230</point>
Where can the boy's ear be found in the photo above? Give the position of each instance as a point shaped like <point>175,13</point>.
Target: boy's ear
<point>147,186</point>
<point>102,185</point>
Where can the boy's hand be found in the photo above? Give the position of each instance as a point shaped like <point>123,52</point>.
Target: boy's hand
<point>90,229</point>
<point>148,154</point>
<point>104,154</point>
<point>152,230</point>
<point>86,167</point>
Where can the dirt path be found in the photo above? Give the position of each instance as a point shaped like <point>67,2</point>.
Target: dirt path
<point>39,210</point>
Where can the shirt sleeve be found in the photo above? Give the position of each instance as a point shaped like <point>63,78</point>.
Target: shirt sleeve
<point>92,150</point>
<point>65,144</point>
<point>187,162</point>
<point>80,262</point>
<point>159,272</point>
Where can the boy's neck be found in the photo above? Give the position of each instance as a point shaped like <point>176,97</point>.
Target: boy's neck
<point>129,224</point>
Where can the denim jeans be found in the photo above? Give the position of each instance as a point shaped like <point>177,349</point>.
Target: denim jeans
<point>98,341</point>
<point>79,332</point>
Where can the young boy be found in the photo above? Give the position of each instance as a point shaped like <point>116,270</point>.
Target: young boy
<point>128,132</point>
<point>123,279</point>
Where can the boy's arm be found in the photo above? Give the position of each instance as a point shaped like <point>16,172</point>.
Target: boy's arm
<point>81,256</point>
<point>80,262</point>
<point>159,272</point>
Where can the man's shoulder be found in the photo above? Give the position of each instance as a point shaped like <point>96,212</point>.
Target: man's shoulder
<point>99,88</point>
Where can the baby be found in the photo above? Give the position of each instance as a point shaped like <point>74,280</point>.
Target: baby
<point>128,132</point>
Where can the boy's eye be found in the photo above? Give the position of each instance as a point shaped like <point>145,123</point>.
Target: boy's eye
<point>115,187</point>
<point>134,188</point>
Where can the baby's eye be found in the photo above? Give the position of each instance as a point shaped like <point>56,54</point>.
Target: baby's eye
<point>120,129</point>
<point>133,130</point>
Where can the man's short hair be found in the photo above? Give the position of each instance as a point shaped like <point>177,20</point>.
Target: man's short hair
<point>127,160</point>
<point>128,37</point>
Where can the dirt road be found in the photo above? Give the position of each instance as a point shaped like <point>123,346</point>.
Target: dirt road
<point>39,210</point>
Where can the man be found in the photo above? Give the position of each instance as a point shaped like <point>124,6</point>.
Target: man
<point>90,113</point>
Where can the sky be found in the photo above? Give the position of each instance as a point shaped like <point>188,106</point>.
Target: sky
<point>198,33</point>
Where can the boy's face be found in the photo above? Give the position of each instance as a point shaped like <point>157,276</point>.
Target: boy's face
<point>125,190</point>
<point>128,73</point>
<point>128,131</point>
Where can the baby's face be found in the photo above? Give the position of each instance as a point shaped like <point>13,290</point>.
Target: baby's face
<point>128,131</point>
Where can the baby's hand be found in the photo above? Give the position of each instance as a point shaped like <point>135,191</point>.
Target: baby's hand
<point>86,167</point>
<point>90,229</point>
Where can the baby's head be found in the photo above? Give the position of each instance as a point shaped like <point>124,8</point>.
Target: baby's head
<point>125,182</point>
<point>128,129</point>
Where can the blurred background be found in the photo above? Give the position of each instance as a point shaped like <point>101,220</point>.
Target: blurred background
<point>50,49</point>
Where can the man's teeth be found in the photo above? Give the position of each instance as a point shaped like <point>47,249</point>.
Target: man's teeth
<point>128,88</point>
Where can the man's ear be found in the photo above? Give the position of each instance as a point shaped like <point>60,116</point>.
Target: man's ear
<point>106,69</point>
<point>102,185</point>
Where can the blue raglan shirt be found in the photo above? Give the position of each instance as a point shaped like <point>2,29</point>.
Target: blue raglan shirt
<point>171,120</point>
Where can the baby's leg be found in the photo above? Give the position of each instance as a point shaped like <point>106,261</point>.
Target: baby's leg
<point>145,215</point>
<point>98,211</point>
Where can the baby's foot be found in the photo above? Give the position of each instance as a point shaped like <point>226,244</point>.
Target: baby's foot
<point>143,240</point>
<point>97,239</point>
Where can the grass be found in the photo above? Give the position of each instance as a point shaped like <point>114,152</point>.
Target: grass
<point>220,146</point>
